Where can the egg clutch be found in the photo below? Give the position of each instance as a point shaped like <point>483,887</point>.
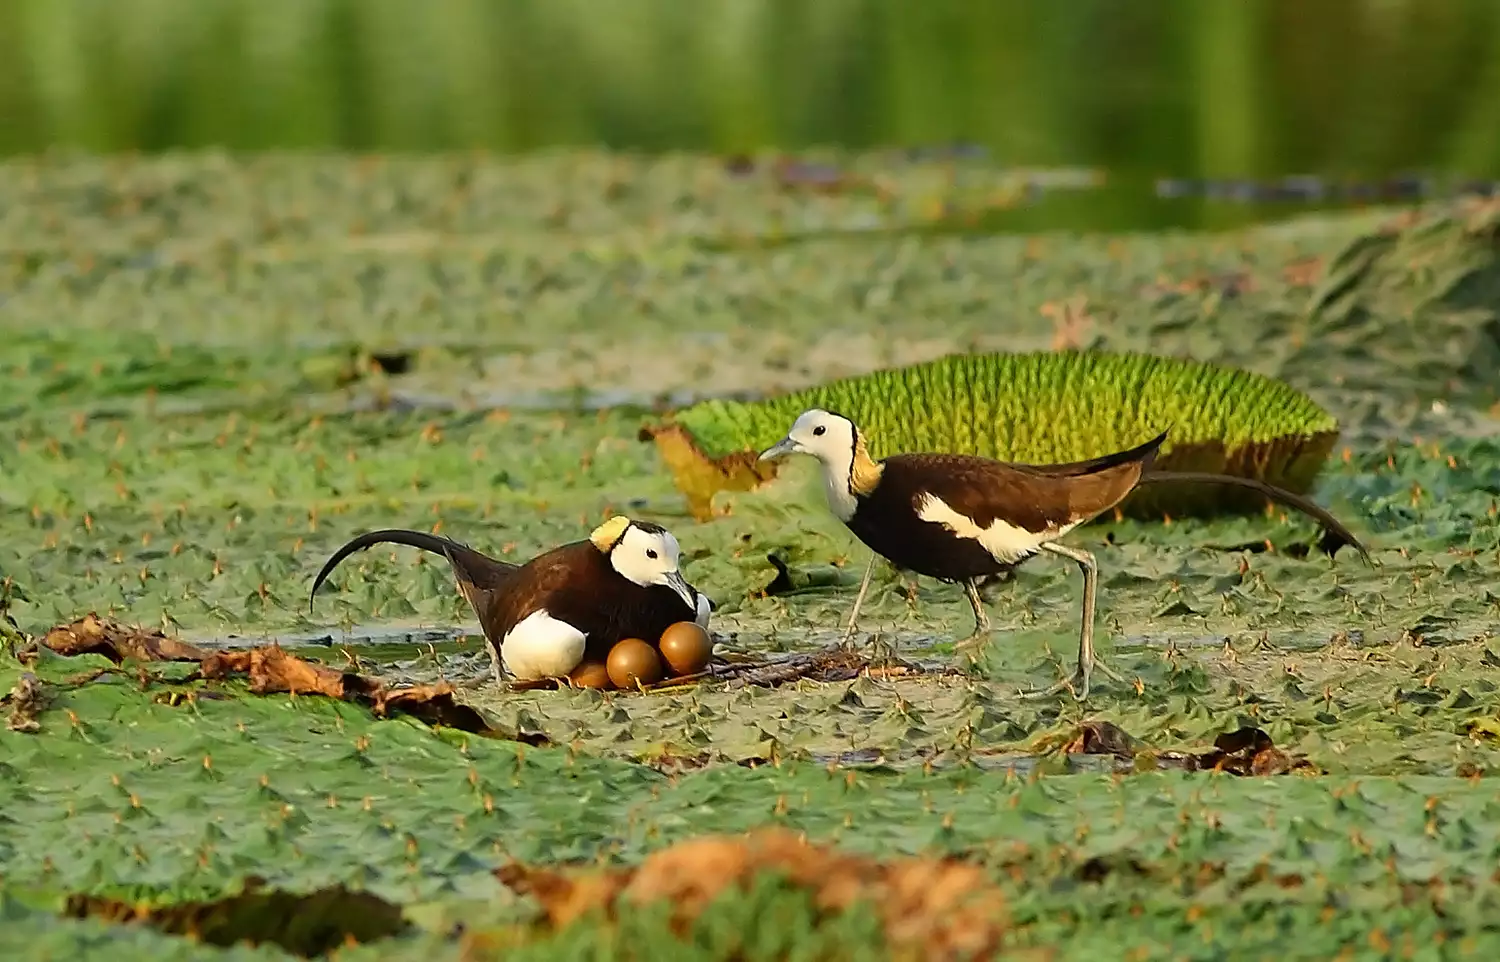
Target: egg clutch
<point>683,649</point>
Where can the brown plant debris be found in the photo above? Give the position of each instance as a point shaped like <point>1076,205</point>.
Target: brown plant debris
<point>1250,751</point>
<point>273,669</point>
<point>92,635</point>
<point>1101,738</point>
<point>1244,751</point>
<point>27,700</point>
<point>308,925</point>
<point>934,908</point>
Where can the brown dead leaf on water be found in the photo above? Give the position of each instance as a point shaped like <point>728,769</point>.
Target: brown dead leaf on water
<point>272,669</point>
<point>1244,751</point>
<point>92,635</point>
<point>1250,751</point>
<point>930,908</point>
<point>434,703</point>
<point>1101,738</point>
<point>27,700</point>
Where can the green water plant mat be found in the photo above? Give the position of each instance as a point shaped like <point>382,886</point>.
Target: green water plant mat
<point>1037,407</point>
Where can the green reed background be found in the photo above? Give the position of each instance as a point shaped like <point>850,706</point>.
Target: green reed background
<point>1184,87</point>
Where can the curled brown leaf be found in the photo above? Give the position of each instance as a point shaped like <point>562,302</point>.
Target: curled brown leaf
<point>272,669</point>
<point>27,700</point>
<point>92,635</point>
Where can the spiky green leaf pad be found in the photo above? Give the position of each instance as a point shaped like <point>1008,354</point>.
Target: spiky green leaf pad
<point>1039,407</point>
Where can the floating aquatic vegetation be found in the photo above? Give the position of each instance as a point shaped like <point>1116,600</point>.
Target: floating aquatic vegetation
<point>1037,407</point>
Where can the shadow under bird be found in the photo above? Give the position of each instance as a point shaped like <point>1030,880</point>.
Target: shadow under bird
<point>959,517</point>
<point>576,601</point>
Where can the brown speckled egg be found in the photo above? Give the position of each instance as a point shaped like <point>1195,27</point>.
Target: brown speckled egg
<point>633,659</point>
<point>686,647</point>
<point>591,674</point>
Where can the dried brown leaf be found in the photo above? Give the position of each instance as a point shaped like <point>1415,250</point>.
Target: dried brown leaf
<point>437,705</point>
<point>27,700</point>
<point>1101,738</point>
<point>92,635</point>
<point>272,668</point>
<point>1250,751</point>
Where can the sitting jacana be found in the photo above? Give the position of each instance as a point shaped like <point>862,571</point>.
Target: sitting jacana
<point>544,617</point>
<point>959,517</point>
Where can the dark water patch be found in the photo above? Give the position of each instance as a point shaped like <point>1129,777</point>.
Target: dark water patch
<point>363,636</point>
<point>1111,201</point>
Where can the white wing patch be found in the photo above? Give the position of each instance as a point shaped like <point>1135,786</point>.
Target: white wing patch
<point>704,607</point>
<point>540,646</point>
<point>1006,543</point>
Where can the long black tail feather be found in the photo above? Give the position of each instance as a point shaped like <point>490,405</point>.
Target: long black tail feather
<point>1335,535</point>
<point>471,561</point>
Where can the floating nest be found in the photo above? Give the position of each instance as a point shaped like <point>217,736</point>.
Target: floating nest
<point>737,670</point>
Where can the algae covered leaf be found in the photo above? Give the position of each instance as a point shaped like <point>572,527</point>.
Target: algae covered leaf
<point>1038,407</point>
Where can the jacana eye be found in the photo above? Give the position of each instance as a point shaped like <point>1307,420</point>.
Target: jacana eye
<point>651,553</point>
<point>818,431</point>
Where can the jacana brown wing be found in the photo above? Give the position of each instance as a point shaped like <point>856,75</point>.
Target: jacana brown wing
<point>980,489</point>
<point>985,490</point>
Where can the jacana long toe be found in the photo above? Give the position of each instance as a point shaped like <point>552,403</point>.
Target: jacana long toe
<point>1078,682</point>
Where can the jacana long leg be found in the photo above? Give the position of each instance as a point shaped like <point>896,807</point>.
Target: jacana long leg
<point>494,662</point>
<point>859,600</point>
<point>981,618</point>
<point>1086,663</point>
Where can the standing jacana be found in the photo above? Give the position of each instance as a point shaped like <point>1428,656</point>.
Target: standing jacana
<point>959,517</point>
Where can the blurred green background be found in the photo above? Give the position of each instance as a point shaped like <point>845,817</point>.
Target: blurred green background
<point>1212,88</point>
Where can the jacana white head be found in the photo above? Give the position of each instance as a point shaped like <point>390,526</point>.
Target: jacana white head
<point>834,441</point>
<point>644,553</point>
